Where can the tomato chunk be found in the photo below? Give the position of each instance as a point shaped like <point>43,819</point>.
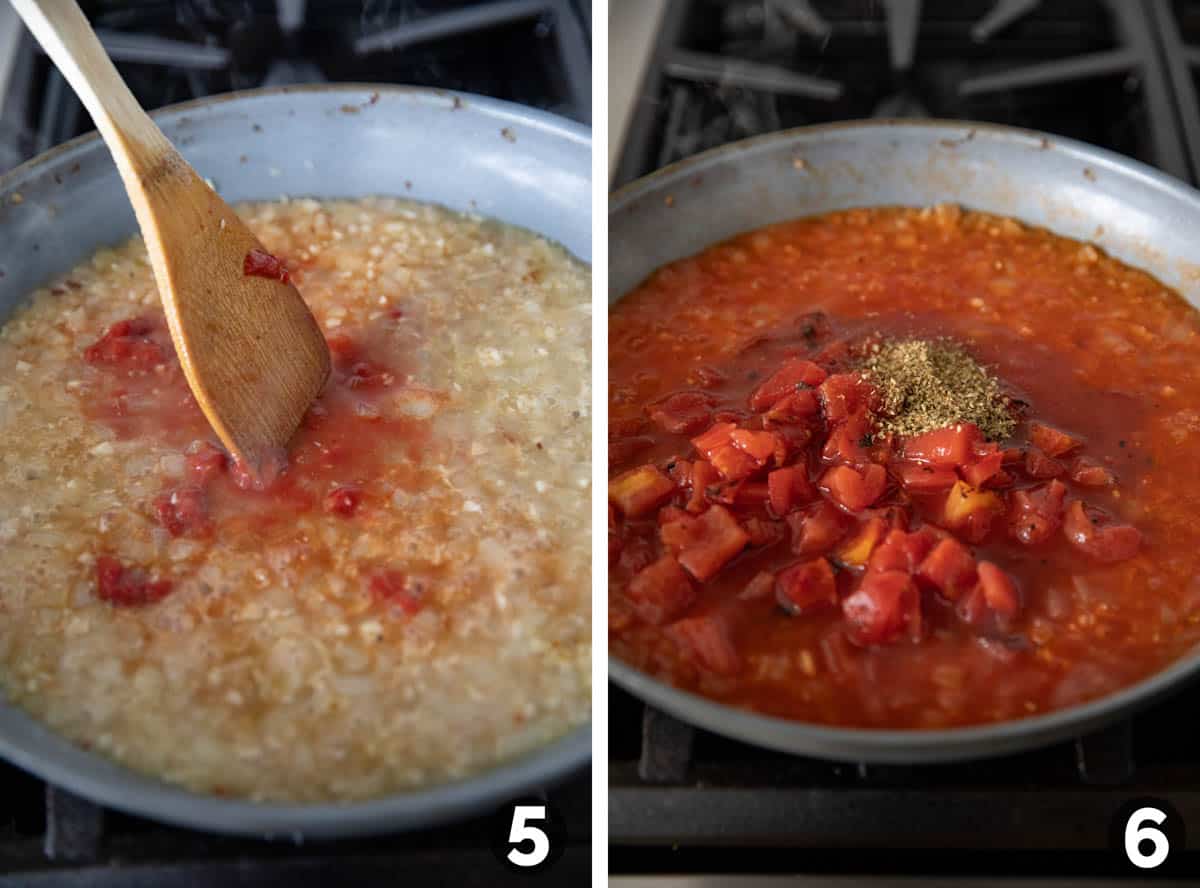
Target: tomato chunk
<point>1034,515</point>
<point>127,587</point>
<point>818,529</point>
<point>126,345</point>
<point>640,490</point>
<point>394,589</point>
<point>999,590</point>
<point>343,500</point>
<point>717,444</point>
<point>762,586</point>
<point>845,394</point>
<point>183,510</point>
<point>204,460</point>
<point>806,586</point>
<point>902,551</point>
<point>683,413</point>
<point>856,551</point>
<point>1104,542</point>
<point>1089,473</point>
<point>795,374</point>
<point>1039,465</point>
<point>661,591</point>
<point>704,476</point>
<point>948,568</point>
<point>969,511</point>
<point>882,607</point>
<point>707,542</point>
<point>708,641</point>
<point>848,441</point>
<point>759,446</point>
<point>984,467</point>
<point>260,263</point>
<point>798,407</point>
<point>854,490</point>
<point>1052,441</point>
<point>952,446</point>
<point>788,488</point>
<point>923,478</point>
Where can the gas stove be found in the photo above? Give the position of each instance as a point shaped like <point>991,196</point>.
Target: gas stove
<point>535,52</point>
<point>1113,73</point>
<point>689,807</point>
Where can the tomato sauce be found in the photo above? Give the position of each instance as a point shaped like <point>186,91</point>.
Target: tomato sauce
<point>349,441</point>
<point>770,550</point>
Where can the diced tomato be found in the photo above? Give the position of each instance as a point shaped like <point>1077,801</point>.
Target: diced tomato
<point>1105,542</point>
<point>882,607</point>
<point>704,476</point>
<point>661,591</point>
<point>948,568</point>
<point>845,394</point>
<point>763,532</point>
<point>204,460</point>
<point>636,552</point>
<point>999,591</point>
<point>707,542</point>
<point>393,588</point>
<point>640,490</point>
<point>343,500</point>
<point>806,586</point>
<point>260,263</point>
<point>1000,479</point>
<point>183,510</point>
<point>848,441</point>
<point>798,407</point>
<point>854,490</point>
<point>789,488</point>
<point>683,413</point>
<point>902,551</point>
<point>795,374</point>
<point>717,444</point>
<point>923,478</point>
<point>667,514</point>
<point>1034,515</point>
<point>1051,441</point>
<point>1040,466</point>
<point>762,586</point>
<point>708,641</point>
<point>759,446</point>
<point>127,587</point>
<point>856,551</point>
<point>984,467</point>
<point>972,608</point>
<point>620,614</point>
<point>1089,473</point>
<point>970,512</point>
<point>818,529</point>
<point>680,471</point>
<point>952,446</point>
<point>126,345</point>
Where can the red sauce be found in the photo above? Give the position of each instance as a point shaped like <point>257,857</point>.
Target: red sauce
<point>260,263</point>
<point>125,586</point>
<point>767,549</point>
<point>341,460</point>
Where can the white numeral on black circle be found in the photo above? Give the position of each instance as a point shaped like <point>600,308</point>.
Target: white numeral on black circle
<point>522,831</point>
<point>1136,832</point>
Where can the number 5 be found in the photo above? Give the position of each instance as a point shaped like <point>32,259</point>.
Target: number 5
<point>522,831</point>
<point>1135,834</point>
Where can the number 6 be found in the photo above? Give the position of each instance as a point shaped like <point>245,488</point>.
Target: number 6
<point>1135,834</point>
<point>521,831</point>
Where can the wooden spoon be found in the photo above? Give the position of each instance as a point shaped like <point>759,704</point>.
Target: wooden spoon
<point>250,348</point>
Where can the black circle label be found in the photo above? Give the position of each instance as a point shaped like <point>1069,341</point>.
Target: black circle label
<point>528,835</point>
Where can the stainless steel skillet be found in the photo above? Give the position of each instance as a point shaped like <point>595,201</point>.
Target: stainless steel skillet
<point>469,153</point>
<point>1136,213</point>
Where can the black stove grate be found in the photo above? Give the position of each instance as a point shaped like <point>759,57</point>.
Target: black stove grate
<point>722,70</point>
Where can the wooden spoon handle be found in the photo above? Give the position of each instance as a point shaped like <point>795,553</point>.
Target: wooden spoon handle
<point>65,34</point>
